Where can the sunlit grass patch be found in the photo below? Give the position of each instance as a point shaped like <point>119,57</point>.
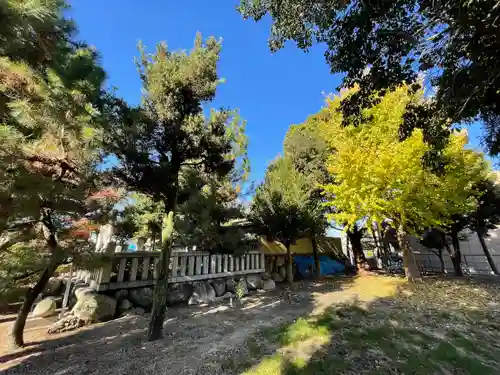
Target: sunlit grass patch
<point>437,327</point>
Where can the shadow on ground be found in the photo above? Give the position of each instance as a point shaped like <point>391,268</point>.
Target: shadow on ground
<point>197,340</point>
<point>442,326</point>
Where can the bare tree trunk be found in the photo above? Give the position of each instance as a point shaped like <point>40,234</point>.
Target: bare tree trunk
<point>411,270</point>
<point>155,327</point>
<point>480,234</point>
<point>357,249</point>
<point>441,261</point>
<point>317,263</point>
<point>16,335</point>
<point>289,271</point>
<point>456,256</point>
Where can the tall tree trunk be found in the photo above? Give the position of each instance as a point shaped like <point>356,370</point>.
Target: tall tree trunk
<point>155,327</point>
<point>317,263</point>
<point>16,335</point>
<point>441,261</point>
<point>480,234</point>
<point>456,256</point>
<point>357,249</point>
<point>153,240</point>
<point>411,270</point>
<point>289,271</point>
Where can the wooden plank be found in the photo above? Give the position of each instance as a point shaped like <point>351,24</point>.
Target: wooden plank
<point>183,266</point>
<point>262,261</point>
<point>251,256</point>
<point>219,263</point>
<point>133,269</point>
<point>211,276</point>
<point>206,258</point>
<point>242,263</point>
<point>145,268</point>
<point>175,266</point>
<point>236,264</point>
<point>213,264</point>
<point>191,259</point>
<point>155,268</point>
<point>199,262</point>
<point>121,270</point>
<point>137,254</point>
<point>226,263</point>
<point>126,285</point>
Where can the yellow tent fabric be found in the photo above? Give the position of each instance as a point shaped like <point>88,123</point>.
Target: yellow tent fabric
<point>326,246</point>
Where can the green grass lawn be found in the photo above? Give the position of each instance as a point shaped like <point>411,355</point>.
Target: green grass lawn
<point>435,327</point>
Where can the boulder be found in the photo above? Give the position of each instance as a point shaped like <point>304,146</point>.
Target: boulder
<point>265,275</point>
<point>202,293</point>
<point>82,292</point>
<point>178,293</point>
<point>141,297</point>
<point>46,307</point>
<point>254,282</point>
<point>54,287</point>
<point>121,294</point>
<point>268,284</point>
<point>94,307</point>
<point>220,286</point>
<point>241,288</point>
<point>230,285</point>
<point>124,305</point>
<point>280,261</point>
<point>135,311</point>
<point>276,277</point>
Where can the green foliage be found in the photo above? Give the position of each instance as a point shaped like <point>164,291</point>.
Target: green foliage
<point>381,45</point>
<point>169,132</point>
<point>280,206</point>
<point>49,134</point>
<point>378,177</point>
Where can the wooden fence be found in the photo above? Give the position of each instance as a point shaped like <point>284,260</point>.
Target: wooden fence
<point>138,269</point>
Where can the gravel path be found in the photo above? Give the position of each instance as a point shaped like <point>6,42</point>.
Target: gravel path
<point>196,340</point>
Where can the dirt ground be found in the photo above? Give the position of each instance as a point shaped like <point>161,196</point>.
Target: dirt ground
<point>197,340</point>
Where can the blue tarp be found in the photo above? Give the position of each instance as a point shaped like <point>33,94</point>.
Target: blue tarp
<point>305,265</point>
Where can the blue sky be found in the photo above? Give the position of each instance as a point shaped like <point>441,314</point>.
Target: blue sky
<point>271,91</point>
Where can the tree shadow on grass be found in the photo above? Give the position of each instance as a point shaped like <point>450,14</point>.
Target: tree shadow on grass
<point>196,339</point>
<point>438,327</point>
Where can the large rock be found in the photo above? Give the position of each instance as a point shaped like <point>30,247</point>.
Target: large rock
<point>46,307</point>
<point>94,307</point>
<point>124,305</point>
<point>121,294</point>
<point>178,293</point>
<point>268,284</point>
<point>83,292</point>
<point>202,293</point>
<point>230,285</point>
<point>254,282</point>
<point>277,277</point>
<point>219,286</point>
<point>54,287</point>
<point>141,297</point>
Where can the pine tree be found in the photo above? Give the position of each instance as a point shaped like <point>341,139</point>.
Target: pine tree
<point>169,134</point>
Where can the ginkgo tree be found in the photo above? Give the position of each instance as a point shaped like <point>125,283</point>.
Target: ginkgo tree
<point>376,175</point>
